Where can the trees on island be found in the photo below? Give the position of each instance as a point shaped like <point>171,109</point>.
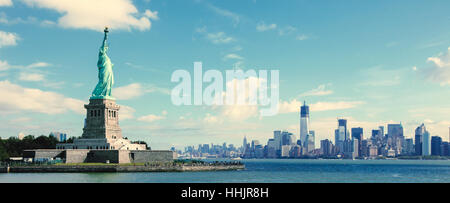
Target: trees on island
<point>14,147</point>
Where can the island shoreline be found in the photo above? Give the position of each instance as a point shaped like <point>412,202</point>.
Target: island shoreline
<point>115,168</point>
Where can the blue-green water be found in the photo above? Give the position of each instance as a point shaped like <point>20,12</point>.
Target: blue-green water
<point>278,171</point>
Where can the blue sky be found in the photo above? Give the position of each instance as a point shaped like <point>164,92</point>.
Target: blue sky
<point>372,62</point>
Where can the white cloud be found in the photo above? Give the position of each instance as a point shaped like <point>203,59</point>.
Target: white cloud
<point>47,23</point>
<point>289,107</point>
<point>151,14</point>
<point>95,15</point>
<point>201,29</point>
<point>8,39</point>
<point>319,91</point>
<point>327,106</point>
<point>232,56</point>
<point>151,118</point>
<point>239,65</point>
<point>21,120</point>
<point>215,37</point>
<point>135,90</point>
<point>286,30</point>
<point>438,112</point>
<point>126,112</point>
<point>302,37</point>
<point>236,111</point>
<point>237,48</point>
<point>440,128</point>
<point>18,20</point>
<point>54,85</point>
<point>239,112</point>
<point>16,98</point>
<point>261,27</point>
<point>219,38</point>
<point>128,92</point>
<point>226,13</point>
<point>32,77</point>
<point>440,69</point>
<point>4,65</point>
<point>38,65</point>
<point>211,119</point>
<point>6,3</point>
<point>294,106</point>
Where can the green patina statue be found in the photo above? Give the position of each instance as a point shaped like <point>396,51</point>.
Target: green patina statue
<point>105,72</point>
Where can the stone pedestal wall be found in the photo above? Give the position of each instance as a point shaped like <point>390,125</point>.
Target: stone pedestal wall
<point>102,120</point>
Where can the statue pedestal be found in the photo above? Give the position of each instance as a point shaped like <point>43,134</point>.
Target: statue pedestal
<point>102,120</point>
<point>101,129</point>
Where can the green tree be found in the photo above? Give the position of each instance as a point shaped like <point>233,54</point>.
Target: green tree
<point>3,154</point>
<point>13,147</point>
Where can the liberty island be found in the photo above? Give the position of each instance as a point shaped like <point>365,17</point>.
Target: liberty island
<point>102,140</point>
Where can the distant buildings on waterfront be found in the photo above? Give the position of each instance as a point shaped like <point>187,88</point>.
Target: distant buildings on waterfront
<point>210,151</point>
<point>348,144</point>
<point>60,137</point>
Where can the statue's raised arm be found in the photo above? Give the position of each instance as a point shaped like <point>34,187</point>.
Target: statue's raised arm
<point>104,46</point>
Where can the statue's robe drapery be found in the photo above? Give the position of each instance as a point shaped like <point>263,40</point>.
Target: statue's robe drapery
<point>105,74</point>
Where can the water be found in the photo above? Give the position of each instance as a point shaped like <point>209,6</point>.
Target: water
<point>267,171</point>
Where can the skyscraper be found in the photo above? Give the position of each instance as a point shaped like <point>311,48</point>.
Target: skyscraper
<point>304,124</point>
<point>409,147</point>
<point>342,127</point>
<point>341,135</point>
<point>445,149</point>
<point>395,137</point>
<point>426,144</point>
<point>311,141</point>
<point>355,148</point>
<point>436,142</point>
<point>378,136</point>
<point>244,144</point>
<point>277,138</point>
<point>357,134</point>
<point>287,138</point>
<point>326,147</point>
<point>419,138</point>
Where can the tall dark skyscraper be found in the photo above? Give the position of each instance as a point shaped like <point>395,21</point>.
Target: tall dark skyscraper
<point>420,131</point>
<point>342,128</point>
<point>341,135</point>
<point>326,147</point>
<point>304,124</point>
<point>357,133</point>
<point>436,142</point>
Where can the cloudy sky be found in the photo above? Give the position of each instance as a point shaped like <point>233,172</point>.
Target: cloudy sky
<point>372,62</point>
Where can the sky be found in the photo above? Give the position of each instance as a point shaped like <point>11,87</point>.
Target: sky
<point>371,62</point>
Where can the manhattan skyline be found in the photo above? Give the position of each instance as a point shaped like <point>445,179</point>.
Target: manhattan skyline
<point>373,63</point>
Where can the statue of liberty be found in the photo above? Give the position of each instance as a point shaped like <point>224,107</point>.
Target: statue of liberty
<point>105,72</point>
